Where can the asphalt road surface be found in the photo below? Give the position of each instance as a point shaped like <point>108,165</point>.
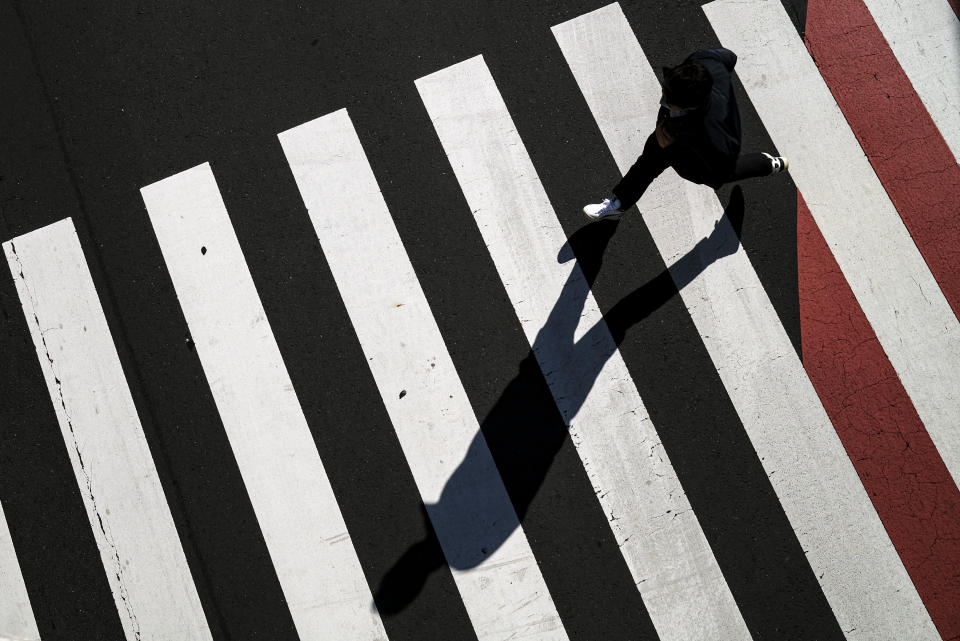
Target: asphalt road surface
<point>295,345</point>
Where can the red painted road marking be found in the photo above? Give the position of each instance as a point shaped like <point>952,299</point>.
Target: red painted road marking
<point>897,462</point>
<point>897,134</point>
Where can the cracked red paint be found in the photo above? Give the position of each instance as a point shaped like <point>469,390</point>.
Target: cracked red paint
<point>897,462</point>
<point>901,469</point>
<point>903,144</point>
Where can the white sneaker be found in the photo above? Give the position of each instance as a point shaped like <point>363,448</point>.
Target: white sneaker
<point>606,208</point>
<point>779,163</point>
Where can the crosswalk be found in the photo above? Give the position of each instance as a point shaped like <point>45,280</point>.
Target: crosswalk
<point>321,576</point>
<point>128,513</point>
<point>925,38</point>
<point>578,356</point>
<point>893,285</point>
<point>765,379</point>
<point>688,587</point>
<point>478,529</point>
<point>907,144</point>
<point>16,616</point>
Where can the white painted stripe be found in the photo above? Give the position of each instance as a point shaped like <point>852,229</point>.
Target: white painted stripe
<point>659,535</point>
<point>16,615</point>
<point>925,38</point>
<point>298,514</point>
<point>885,270</point>
<point>128,512</point>
<point>846,544</point>
<point>502,587</point>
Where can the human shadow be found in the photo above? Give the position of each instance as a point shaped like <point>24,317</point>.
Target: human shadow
<point>525,437</point>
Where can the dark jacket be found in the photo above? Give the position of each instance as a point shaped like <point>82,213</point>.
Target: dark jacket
<point>707,141</point>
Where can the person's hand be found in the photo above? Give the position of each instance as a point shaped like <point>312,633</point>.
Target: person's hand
<point>663,138</point>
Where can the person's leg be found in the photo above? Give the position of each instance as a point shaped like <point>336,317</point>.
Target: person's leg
<point>757,165</point>
<point>651,163</point>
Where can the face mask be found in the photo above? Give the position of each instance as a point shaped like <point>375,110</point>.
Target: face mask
<point>674,113</point>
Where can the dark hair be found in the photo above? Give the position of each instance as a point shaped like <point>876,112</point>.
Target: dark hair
<point>687,85</point>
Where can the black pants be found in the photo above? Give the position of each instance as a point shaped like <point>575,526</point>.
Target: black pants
<point>655,159</point>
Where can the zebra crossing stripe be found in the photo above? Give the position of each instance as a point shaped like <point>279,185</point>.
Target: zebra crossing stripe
<point>925,37</point>
<point>136,536</point>
<point>494,569</point>
<point>893,454</point>
<point>899,463</point>
<point>16,615</point>
<point>835,522</point>
<point>886,272</point>
<point>911,158</point>
<point>302,526</point>
<point>660,538</point>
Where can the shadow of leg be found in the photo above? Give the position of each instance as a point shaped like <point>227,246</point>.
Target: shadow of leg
<point>735,210</point>
<point>524,452</point>
<point>587,245</point>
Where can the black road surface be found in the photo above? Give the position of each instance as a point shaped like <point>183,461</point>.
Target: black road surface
<point>100,99</point>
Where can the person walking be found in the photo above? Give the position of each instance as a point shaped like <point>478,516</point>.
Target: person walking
<point>697,133</point>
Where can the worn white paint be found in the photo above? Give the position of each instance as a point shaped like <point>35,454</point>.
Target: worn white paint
<point>888,276</point>
<point>849,551</point>
<point>131,522</point>
<point>298,514</point>
<point>502,588</point>
<point>16,615</point>
<point>659,535</point>
<point>924,35</point>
